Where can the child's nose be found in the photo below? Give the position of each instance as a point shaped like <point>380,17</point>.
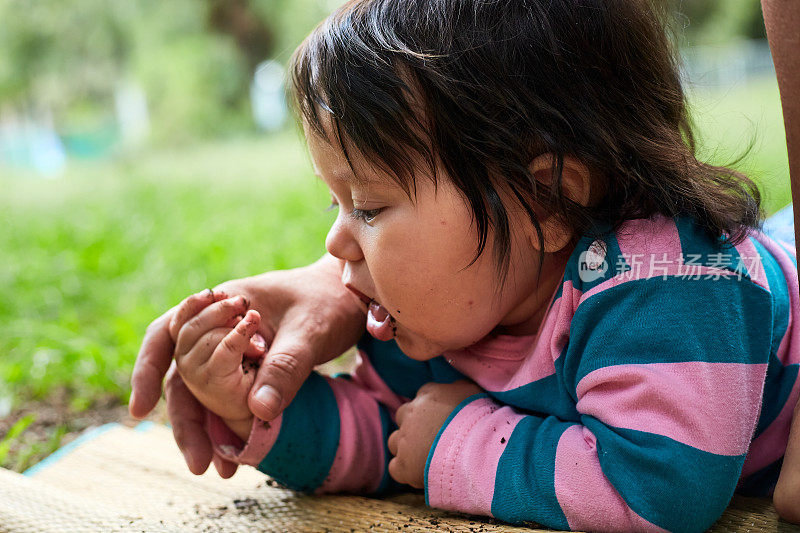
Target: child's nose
<point>341,243</point>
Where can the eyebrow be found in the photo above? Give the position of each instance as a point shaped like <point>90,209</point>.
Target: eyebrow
<point>350,179</point>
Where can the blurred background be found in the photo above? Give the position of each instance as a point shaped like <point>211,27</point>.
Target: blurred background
<point>146,153</point>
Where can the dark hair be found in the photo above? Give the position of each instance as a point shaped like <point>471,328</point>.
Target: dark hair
<point>485,86</point>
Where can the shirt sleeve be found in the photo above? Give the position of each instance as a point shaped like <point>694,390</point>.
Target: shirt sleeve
<point>667,375</point>
<point>330,439</point>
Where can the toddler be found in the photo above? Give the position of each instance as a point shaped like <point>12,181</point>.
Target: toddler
<point>570,319</point>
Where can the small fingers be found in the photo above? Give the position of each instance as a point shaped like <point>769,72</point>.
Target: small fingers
<point>227,356</point>
<point>392,442</point>
<point>257,347</point>
<point>190,306</point>
<point>215,315</point>
<point>396,470</point>
<point>400,414</point>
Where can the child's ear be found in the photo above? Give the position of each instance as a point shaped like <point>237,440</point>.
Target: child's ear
<point>575,184</point>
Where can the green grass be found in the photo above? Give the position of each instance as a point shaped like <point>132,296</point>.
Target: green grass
<point>727,121</point>
<point>91,258</point>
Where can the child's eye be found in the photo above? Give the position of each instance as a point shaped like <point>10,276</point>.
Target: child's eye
<point>330,207</point>
<point>366,215</point>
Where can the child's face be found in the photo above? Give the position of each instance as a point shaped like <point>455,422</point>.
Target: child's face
<point>410,257</point>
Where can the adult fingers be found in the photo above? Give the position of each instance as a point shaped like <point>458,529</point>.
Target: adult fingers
<point>225,468</point>
<point>190,306</point>
<point>187,417</point>
<point>214,316</point>
<point>151,365</point>
<point>227,356</point>
<point>285,367</point>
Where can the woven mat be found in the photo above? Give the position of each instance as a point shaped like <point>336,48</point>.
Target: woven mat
<point>121,479</point>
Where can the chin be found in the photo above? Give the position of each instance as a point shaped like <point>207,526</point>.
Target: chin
<point>419,351</point>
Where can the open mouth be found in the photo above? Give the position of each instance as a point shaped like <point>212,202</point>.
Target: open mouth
<point>380,323</point>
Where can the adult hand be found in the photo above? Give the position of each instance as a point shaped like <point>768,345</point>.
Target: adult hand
<point>309,318</point>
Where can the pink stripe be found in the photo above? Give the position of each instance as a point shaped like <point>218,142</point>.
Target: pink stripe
<point>588,500</point>
<point>711,406</point>
<point>366,377</point>
<point>771,444</point>
<point>359,462</point>
<point>461,474</point>
<point>228,445</point>
<point>490,362</point>
<point>644,237</point>
<point>752,262</point>
<point>792,335</point>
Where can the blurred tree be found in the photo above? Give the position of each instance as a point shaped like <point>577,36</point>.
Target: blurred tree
<point>52,52</point>
<point>710,22</point>
<point>253,36</point>
<point>193,59</point>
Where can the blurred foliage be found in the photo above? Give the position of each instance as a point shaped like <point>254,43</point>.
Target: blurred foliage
<point>92,258</point>
<point>715,22</point>
<point>195,59</point>
<point>67,57</point>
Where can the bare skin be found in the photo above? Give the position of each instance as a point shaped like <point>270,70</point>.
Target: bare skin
<point>782,20</point>
<point>307,318</point>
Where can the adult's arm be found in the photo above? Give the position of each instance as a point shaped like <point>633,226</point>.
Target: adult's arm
<point>309,318</point>
<point>782,20</point>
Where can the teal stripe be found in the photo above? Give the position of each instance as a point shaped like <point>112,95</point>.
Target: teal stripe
<point>309,437</point>
<point>450,417</point>
<point>701,248</point>
<point>403,375</point>
<point>525,480</point>
<point>673,485</point>
<point>668,320</point>
<point>615,261</point>
<point>545,396</point>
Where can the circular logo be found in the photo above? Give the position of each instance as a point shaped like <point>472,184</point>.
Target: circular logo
<point>592,263</point>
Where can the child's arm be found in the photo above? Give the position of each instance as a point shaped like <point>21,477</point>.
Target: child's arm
<point>667,376</point>
<point>333,436</point>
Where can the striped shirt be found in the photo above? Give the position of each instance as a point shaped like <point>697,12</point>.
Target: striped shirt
<point>662,379</point>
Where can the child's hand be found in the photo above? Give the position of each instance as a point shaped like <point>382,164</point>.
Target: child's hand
<point>210,359</point>
<point>419,421</point>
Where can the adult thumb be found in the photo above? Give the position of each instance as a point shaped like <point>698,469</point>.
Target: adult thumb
<point>285,367</point>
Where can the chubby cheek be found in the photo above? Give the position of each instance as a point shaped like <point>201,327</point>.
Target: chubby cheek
<point>437,303</point>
